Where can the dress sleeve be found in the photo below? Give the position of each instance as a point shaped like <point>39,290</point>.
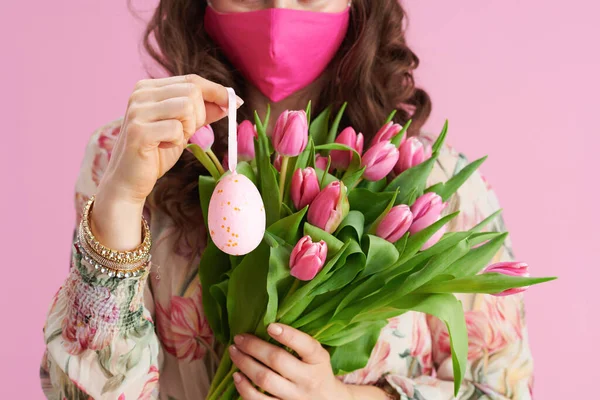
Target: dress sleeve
<point>100,339</point>
<point>500,365</point>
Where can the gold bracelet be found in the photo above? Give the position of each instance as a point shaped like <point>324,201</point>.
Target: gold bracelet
<point>109,270</point>
<point>106,266</point>
<point>121,257</point>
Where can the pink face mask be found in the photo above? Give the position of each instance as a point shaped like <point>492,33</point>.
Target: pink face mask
<point>278,50</point>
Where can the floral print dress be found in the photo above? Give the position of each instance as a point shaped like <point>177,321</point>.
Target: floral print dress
<point>146,337</point>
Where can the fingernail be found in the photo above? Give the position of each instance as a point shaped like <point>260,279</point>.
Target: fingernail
<point>239,101</point>
<point>233,349</point>
<point>275,329</point>
<point>225,110</point>
<point>238,339</point>
<point>236,377</point>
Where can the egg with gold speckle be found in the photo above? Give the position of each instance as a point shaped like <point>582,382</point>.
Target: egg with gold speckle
<point>236,215</point>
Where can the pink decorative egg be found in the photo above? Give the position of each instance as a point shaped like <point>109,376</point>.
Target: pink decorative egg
<point>236,215</point>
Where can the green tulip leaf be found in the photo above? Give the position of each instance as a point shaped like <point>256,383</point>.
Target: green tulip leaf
<point>381,255</point>
<point>483,283</point>
<point>333,244</point>
<point>351,227</point>
<point>288,228</point>
<point>305,290</point>
<point>206,187</point>
<point>369,203</point>
<point>437,146</point>
<point>416,241</point>
<point>485,222</point>
<point>390,117</point>
<point>349,265</point>
<point>355,354</point>
<point>319,127</point>
<point>245,169</point>
<point>373,186</point>
<point>333,130</point>
<point>279,281</point>
<point>269,187</point>
<point>397,139</point>
<point>353,332</point>
<point>214,265</point>
<point>308,111</point>
<point>412,181</point>
<point>248,298</point>
<point>446,190</point>
<point>473,262</point>
<point>324,178</point>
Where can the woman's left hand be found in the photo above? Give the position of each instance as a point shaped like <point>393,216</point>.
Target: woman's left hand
<point>280,373</point>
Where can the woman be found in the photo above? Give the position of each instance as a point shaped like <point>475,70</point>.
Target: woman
<point>145,336</point>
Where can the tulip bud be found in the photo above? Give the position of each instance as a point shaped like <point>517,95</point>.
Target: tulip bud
<point>386,133</point>
<point>246,134</point>
<point>395,224</point>
<point>305,187</point>
<point>307,258</point>
<point>427,210</point>
<point>379,160</point>
<point>340,159</point>
<point>321,162</point>
<point>412,152</point>
<point>290,134</point>
<point>511,269</point>
<point>330,207</point>
<point>204,137</point>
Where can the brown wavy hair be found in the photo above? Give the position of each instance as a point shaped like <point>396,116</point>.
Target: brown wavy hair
<point>372,71</point>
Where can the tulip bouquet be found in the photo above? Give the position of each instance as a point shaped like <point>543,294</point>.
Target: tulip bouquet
<point>353,237</point>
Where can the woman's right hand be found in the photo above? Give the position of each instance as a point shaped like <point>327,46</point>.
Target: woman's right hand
<point>162,114</point>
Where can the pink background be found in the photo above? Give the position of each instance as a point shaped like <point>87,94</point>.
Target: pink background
<point>517,80</point>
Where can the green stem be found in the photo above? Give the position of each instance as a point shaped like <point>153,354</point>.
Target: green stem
<point>222,369</point>
<point>216,161</point>
<point>292,290</point>
<point>282,176</point>
<point>223,385</point>
<point>228,394</point>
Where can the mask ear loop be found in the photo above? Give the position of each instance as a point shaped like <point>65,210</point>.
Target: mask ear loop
<point>232,147</point>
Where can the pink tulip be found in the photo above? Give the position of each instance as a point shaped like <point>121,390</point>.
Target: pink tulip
<point>510,268</point>
<point>379,160</point>
<point>290,134</point>
<point>395,224</point>
<point>412,152</point>
<point>340,159</point>
<point>305,187</point>
<point>321,162</point>
<point>386,133</point>
<point>246,135</point>
<point>204,137</point>
<point>330,207</point>
<point>307,258</point>
<point>426,210</point>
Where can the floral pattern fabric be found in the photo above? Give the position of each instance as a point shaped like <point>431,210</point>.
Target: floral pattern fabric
<point>147,337</point>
